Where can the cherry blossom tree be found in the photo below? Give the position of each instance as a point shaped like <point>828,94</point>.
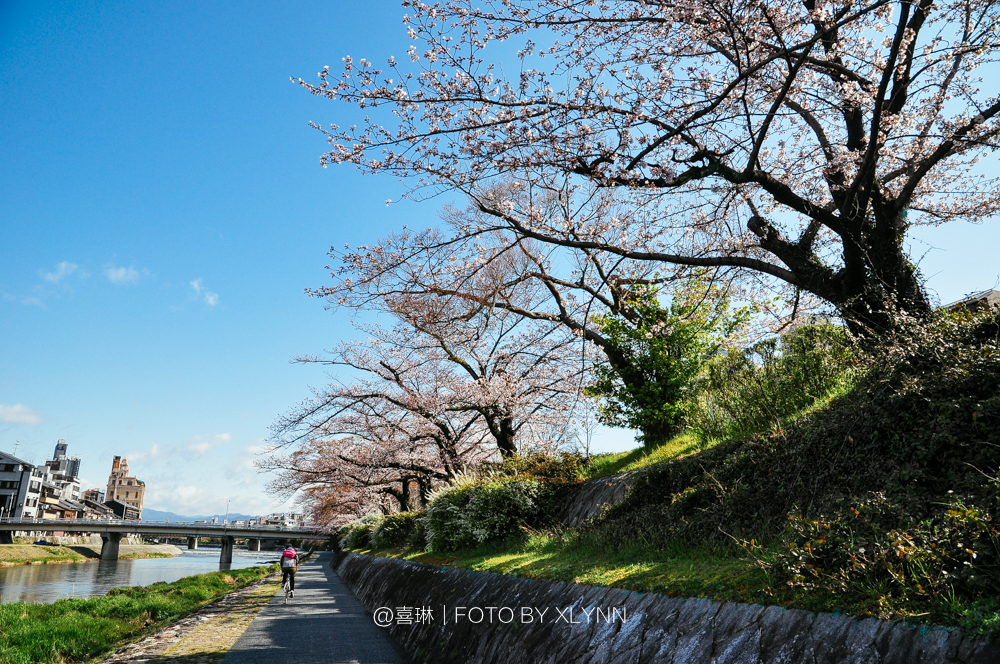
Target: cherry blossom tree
<point>431,397</point>
<point>475,261</point>
<point>357,442</point>
<point>793,142</point>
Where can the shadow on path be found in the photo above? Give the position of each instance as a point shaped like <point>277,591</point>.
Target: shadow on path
<point>324,622</point>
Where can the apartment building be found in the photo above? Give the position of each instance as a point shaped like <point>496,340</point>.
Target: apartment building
<point>20,487</point>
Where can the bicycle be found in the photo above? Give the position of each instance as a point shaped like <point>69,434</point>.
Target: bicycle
<point>287,587</point>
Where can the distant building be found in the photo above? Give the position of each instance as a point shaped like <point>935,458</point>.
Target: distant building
<point>96,509</point>
<point>284,520</point>
<point>61,464</point>
<point>60,491</point>
<point>124,488</point>
<point>20,487</point>
<point>64,473</point>
<point>95,495</point>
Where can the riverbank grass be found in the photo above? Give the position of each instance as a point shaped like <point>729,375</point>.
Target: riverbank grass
<point>80,630</point>
<point>30,554</point>
<point>25,554</point>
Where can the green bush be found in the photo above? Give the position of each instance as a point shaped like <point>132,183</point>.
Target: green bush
<point>398,531</point>
<point>474,511</point>
<point>358,534</point>
<point>757,388</point>
<point>659,347</point>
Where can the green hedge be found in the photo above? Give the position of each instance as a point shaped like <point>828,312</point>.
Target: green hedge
<point>404,530</point>
<point>474,511</point>
<point>358,534</point>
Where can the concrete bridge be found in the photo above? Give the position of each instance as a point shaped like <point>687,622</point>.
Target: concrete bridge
<point>111,531</point>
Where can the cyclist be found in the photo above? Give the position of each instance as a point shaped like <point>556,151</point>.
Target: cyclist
<point>289,563</point>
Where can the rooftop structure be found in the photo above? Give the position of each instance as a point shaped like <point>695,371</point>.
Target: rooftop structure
<point>989,298</point>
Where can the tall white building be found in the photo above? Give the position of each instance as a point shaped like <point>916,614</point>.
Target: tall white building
<point>20,487</point>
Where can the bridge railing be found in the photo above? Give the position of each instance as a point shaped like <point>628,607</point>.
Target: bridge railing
<point>82,524</point>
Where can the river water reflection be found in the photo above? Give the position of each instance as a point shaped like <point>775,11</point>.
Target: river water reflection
<point>47,583</point>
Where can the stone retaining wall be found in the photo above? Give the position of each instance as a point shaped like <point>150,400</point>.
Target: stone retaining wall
<point>592,496</point>
<point>631,628</point>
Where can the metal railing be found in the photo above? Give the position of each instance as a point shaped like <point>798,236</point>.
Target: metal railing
<point>81,524</point>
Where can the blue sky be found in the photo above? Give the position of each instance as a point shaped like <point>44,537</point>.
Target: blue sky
<point>162,210</point>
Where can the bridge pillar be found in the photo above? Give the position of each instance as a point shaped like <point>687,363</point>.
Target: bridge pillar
<point>253,545</point>
<point>192,543</point>
<point>109,548</point>
<point>227,550</point>
<point>7,537</point>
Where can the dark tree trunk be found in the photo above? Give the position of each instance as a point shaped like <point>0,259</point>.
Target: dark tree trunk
<point>501,425</point>
<point>884,283</point>
<point>876,279</point>
<point>506,441</point>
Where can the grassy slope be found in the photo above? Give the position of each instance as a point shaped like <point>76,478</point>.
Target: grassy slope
<point>720,569</point>
<point>76,630</point>
<point>604,465</point>
<point>923,431</point>
<point>684,444</point>
<point>724,574</point>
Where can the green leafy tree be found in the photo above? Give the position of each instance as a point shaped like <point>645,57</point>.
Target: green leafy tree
<point>666,346</point>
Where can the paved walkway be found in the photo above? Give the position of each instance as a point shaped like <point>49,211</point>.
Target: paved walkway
<point>324,622</point>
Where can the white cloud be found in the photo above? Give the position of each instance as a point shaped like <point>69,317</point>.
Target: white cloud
<point>246,465</point>
<point>121,275</point>
<point>19,414</point>
<point>211,299</point>
<point>201,444</point>
<point>178,479</point>
<point>174,495</point>
<point>64,269</point>
<point>10,297</point>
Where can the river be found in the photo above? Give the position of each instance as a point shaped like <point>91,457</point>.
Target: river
<point>46,583</point>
